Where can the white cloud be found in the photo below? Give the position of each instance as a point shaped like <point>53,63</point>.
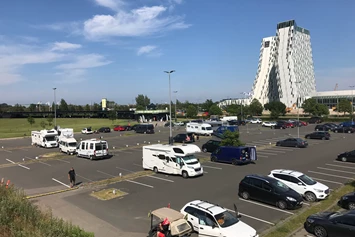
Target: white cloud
<point>61,46</point>
<point>112,4</point>
<point>71,76</point>
<point>85,61</point>
<point>138,22</point>
<point>146,49</point>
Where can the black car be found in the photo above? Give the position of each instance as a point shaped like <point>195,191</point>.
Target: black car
<point>347,201</point>
<point>145,128</point>
<point>269,190</point>
<point>350,129</point>
<point>211,146</point>
<point>315,120</point>
<point>236,122</point>
<point>323,127</point>
<point>318,135</point>
<point>184,138</point>
<point>347,156</point>
<point>167,124</point>
<point>293,142</point>
<point>104,130</point>
<point>331,224</point>
<point>133,128</point>
<point>280,125</point>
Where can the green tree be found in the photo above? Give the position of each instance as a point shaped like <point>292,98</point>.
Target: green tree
<point>63,106</point>
<point>234,109</point>
<point>18,108</point>
<point>344,106</point>
<point>276,108</point>
<point>50,120</point>
<point>32,108</point>
<point>207,105</point>
<point>43,124</point>
<point>87,107</point>
<point>142,101</point>
<point>320,109</point>
<point>112,115</point>
<point>31,120</point>
<point>231,139</point>
<point>215,110</point>
<point>309,106</point>
<point>96,107</point>
<point>255,107</point>
<point>191,111</point>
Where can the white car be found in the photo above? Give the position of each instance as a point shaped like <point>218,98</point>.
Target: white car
<point>212,220</point>
<point>256,120</point>
<point>268,124</point>
<point>310,189</point>
<point>87,131</point>
<point>179,124</point>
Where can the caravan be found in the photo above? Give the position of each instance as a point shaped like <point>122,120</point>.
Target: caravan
<point>44,138</point>
<point>172,159</point>
<point>199,128</point>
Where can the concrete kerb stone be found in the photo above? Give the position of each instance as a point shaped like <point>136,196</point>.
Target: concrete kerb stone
<point>51,193</point>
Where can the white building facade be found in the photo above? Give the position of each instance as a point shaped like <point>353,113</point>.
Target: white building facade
<point>285,69</point>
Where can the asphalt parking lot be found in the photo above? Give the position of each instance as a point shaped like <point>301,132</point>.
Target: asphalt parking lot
<point>219,184</point>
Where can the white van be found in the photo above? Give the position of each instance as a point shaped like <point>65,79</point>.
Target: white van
<point>199,128</point>
<point>44,138</point>
<point>229,118</point>
<point>92,149</point>
<point>67,145</point>
<point>172,159</point>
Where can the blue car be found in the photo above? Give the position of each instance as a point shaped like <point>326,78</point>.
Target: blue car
<point>234,155</point>
<point>220,130</point>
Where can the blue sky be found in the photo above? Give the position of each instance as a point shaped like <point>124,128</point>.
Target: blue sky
<point>117,49</point>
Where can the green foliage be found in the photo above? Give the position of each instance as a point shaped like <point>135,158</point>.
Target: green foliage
<point>321,109</point>
<point>344,105</point>
<point>191,111</point>
<point>19,217</point>
<point>43,124</point>
<point>112,115</point>
<point>142,101</point>
<point>87,107</point>
<point>234,109</point>
<point>63,106</point>
<point>310,106</point>
<point>50,120</point>
<point>31,120</point>
<point>255,108</point>
<point>207,105</point>
<point>276,108</point>
<point>231,139</point>
<point>215,110</point>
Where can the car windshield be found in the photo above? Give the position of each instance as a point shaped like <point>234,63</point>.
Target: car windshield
<point>299,139</point>
<point>190,160</point>
<point>73,144</point>
<point>50,139</point>
<point>281,186</point>
<point>307,180</point>
<point>226,219</point>
<point>334,215</point>
<point>88,129</point>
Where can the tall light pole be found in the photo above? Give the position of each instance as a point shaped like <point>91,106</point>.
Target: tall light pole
<point>170,132</point>
<point>298,110</point>
<point>241,107</point>
<point>55,108</point>
<point>175,104</point>
<point>352,103</point>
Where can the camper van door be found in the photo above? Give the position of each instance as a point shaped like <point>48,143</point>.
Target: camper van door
<point>168,165</point>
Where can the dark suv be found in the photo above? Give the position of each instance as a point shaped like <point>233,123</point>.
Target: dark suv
<point>350,129</point>
<point>269,190</point>
<point>211,146</point>
<point>318,135</point>
<point>184,138</point>
<point>104,130</point>
<point>323,127</point>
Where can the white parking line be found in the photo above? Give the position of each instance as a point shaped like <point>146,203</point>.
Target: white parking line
<point>211,167</point>
<point>218,163</point>
<point>7,151</point>
<point>154,177</point>
<point>274,150</point>
<point>146,185</point>
<point>125,169</point>
<point>251,217</point>
<point>262,156</point>
<point>25,167</point>
<point>60,182</point>
<point>273,208</point>
<point>342,162</point>
<point>267,153</point>
<point>337,176</point>
<point>340,166</point>
<point>11,161</point>
<point>105,173</point>
<point>324,180</point>
<point>84,177</point>
<point>341,171</point>
<point>62,161</point>
<point>37,161</point>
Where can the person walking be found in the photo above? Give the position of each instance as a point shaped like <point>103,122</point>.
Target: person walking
<point>71,177</point>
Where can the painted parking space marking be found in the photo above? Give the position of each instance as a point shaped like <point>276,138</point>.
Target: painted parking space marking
<point>155,177</point>
<point>37,161</point>
<point>65,161</point>
<point>130,171</point>
<point>342,162</point>
<point>84,177</point>
<point>266,153</point>
<point>211,167</point>
<point>340,171</point>
<point>274,150</point>
<point>22,166</point>
<point>106,173</point>
<point>337,176</point>
<point>217,163</point>
<point>146,185</point>
<point>340,166</point>
<point>329,181</point>
<point>262,156</point>
<point>66,185</point>
<point>262,205</point>
<point>7,151</point>
<point>251,217</point>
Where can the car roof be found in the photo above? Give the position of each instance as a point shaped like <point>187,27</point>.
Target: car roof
<point>207,207</point>
<point>262,177</point>
<point>288,172</point>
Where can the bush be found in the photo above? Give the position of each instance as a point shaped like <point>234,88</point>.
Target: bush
<point>19,217</point>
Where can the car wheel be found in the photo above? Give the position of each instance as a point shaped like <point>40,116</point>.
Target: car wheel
<point>296,146</point>
<point>204,149</point>
<point>185,175</point>
<point>91,158</point>
<point>272,127</point>
<point>310,197</point>
<point>319,231</point>
<point>213,159</point>
<point>344,159</point>
<point>351,206</point>
<point>245,195</point>
<point>60,150</point>
<point>281,204</point>
<point>155,169</point>
<point>68,152</point>
<point>234,162</point>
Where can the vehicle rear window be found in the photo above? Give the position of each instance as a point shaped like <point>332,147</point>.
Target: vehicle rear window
<point>101,146</point>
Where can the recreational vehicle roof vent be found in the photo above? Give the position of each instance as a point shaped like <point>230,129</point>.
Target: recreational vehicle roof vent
<point>178,150</point>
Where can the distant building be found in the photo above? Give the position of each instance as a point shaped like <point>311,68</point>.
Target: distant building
<point>331,98</point>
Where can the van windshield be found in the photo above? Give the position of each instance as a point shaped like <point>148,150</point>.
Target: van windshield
<point>50,139</point>
<point>208,128</point>
<point>190,160</point>
<point>72,144</point>
<point>100,146</point>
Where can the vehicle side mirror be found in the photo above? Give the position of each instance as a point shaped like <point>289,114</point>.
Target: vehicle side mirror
<point>214,225</point>
<point>239,215</point>
<point>300,184</point>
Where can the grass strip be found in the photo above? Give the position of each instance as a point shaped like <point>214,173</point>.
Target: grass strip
<point>108,194</point>
<point>295,222</point>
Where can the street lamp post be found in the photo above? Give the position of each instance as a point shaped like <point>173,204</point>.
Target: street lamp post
<point>241,109</point>
<point>55,108</point>
<point>175,104</point>
<point>298,110</point>
<point>170,132</point>
<point>352,103</point>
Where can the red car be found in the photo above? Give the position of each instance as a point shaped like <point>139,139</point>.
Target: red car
<point>304,123</point>
<point>119,128</point>
<point>289,125</point>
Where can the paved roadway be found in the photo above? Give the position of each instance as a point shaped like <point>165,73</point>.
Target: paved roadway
<point>219,183</point>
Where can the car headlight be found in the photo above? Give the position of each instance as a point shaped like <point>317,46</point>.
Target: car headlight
<point>318,190</point>
<point>291,199</point>
<point>310,221</point>
<point>344,198</point>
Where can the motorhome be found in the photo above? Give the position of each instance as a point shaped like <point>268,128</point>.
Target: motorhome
<point>92,149</point>
<point>172,159</point>
<point>199,128</point>
<point>44,138</point>
<point>67,145</point>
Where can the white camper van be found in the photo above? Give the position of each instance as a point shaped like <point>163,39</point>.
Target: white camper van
<point>199,128</point>
<point>44,138</point>
<point>65,132</point>
<point>172,159</point>
<point>67,145</point>
<point>92,149</point>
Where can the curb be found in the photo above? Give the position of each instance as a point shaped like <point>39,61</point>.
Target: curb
<point>51,193</point>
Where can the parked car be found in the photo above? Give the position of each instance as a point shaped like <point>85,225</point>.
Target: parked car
<point>104,130</point>
<point>289,124</point>
<point>167,124</point>
<point>279,125</point>
<point>347,201</point>
<point>310,189</point>
<point>318,135</point>
<point>331,125</point>
<point>145,128</point>
<point>293,142</point>
<point>219,132</point>
<point>87,131</point>
<point>331,224</point>
<point>256,121</point>
<point>211,146</point>
<point>348,156</point>
<point>315,120</point>
<point>304,123</point>
<point>350,129</point>
<point>133,128</point>
<point>119,128</point>
<point>268,124</point>
<point>236,122</point>
<point>184,138</point>
<point>323,127</point>
<point>179,124</point>
<point>269,190</point>
<point>234,155</point>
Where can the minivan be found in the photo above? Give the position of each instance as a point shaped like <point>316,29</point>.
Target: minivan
<point>269,190</point>
<point>67,145</point>
<point>92,149</point>
<point>234,155</point>
<point>145,128</point>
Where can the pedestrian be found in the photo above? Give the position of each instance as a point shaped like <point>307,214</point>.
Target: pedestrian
<point>198,137</point>
<point>71,177</point>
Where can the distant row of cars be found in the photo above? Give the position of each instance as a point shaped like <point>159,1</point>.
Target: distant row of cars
<point>345,127</point>
<point>281,124</point>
